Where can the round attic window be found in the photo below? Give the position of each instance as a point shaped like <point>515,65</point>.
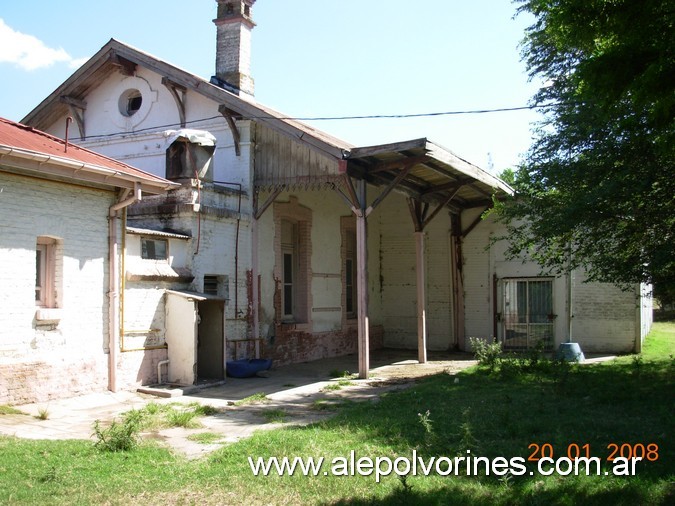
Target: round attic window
<point>130,102</point>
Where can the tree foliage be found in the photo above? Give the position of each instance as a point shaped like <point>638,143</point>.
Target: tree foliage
<point>597,189</point>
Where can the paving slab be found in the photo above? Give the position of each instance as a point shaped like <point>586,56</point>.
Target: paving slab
<point>293,389</point>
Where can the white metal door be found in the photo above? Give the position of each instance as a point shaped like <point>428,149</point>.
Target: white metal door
<point>181,338</point>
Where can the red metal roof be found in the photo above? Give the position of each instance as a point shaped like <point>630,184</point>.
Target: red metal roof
<point>16,135</point>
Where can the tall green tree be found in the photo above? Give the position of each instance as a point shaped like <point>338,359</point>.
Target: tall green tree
<point>597,189</point>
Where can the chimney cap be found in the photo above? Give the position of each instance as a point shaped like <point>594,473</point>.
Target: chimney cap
<point>230,11</point>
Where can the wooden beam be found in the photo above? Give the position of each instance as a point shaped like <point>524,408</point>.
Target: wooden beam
<point>474,223</point>
<point>351,191</point>
<point>413,207</point>
<point>398,164</point>
<point>80,104</point>
<point>255,288</point>
<point>451,186</point>
<point>438,209</point>
<point>127,67</point>
<point>347,200</point>
<point>174,88</point>
<point>388,189</point>
<point>362,283</point>
<point>481,191</point>
<point>228,114</point>
<point>258,212</point>
<point>420,271</point>
<point>457,281</point>
<point>387,148</point>
<point>423,213</point>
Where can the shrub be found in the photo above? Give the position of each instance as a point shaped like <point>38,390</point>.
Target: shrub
<point>485,352</point>
<point>119,436</point>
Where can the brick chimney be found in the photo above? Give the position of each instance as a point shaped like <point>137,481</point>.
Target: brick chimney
<point>233,45</point>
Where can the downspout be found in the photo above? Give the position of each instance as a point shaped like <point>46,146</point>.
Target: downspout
<point>638,320</point>
<point>570,313</point>
<point>113,294</point>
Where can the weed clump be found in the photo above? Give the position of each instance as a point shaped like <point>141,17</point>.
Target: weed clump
<point>119,436</point>
<point>485,352</point>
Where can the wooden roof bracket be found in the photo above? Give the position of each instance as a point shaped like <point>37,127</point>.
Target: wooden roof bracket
<point>228,114</point>
<point>474,223</point>
<point>419,211</point>
<point>351,191</point>
<point>439,207</point>
<point>399,177</point>
<point>259,211</point>
<point>77,108</point>
<point>127,67</point>
<point>174,89</point>
<point>415,208</point>
<point>344,197</point>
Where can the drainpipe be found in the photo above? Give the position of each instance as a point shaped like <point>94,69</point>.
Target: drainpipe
<point>159,371</point>
<point>114,317</point>
<point>570,313</point>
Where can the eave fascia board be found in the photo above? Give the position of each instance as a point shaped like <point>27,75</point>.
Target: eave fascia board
<point>49,165</point>
<point>449,158</point>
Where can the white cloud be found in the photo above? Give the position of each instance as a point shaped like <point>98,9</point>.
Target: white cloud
<point>29,52</point>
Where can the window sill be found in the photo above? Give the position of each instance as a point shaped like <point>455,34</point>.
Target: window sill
<point>48,315</point>
<point>291,325</point>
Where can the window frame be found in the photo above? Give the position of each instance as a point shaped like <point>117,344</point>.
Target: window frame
<point>301,217</point>
<point>289,280</point>
<point>144,250</point>
<point>45,272</point>
<point>520,315</point>
<point>348,255</point>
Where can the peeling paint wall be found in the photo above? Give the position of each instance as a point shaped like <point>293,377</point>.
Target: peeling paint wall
<point>42,360</point>
<point>398,277</point>
<point>326,333</point>
<point>605,319</point>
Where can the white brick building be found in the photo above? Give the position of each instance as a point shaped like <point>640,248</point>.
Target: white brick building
<point>55,256</point>
<point>298,245</point>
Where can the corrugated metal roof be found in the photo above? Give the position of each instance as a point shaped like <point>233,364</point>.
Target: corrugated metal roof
<point>428,172</point>
<point>16,135</point>
<point>157,233</point>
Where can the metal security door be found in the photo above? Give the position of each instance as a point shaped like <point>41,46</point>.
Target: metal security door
<point>527,313</point>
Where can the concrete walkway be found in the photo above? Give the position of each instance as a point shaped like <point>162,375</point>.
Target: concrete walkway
<point>294,389</point>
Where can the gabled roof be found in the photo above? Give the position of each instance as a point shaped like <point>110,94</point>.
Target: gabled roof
<point>418,168</point>
<point>116,55</point>
<point>30,150</point>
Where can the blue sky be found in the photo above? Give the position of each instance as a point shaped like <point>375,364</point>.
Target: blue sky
<point>310,58</point>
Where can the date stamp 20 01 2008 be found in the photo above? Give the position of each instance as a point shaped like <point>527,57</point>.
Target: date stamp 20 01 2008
<point>648,451</point>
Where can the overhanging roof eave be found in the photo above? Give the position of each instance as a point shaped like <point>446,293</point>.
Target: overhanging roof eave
<point>305,134</point>
<point>430,163</point>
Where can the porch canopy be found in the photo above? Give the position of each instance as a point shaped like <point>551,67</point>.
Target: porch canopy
<point>431,177</point>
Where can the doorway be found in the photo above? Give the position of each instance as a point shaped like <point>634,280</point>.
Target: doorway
<point>527,315</point>
<point>210,340</point>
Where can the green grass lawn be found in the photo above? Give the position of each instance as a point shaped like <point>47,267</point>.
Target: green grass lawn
<point>505,413</point>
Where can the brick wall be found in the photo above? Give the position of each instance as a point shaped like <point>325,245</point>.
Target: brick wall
<point>604,317</point>
<point>398,281</point>
<point>26,381</point>
<point>292,346</point>
<point>39,361</point>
